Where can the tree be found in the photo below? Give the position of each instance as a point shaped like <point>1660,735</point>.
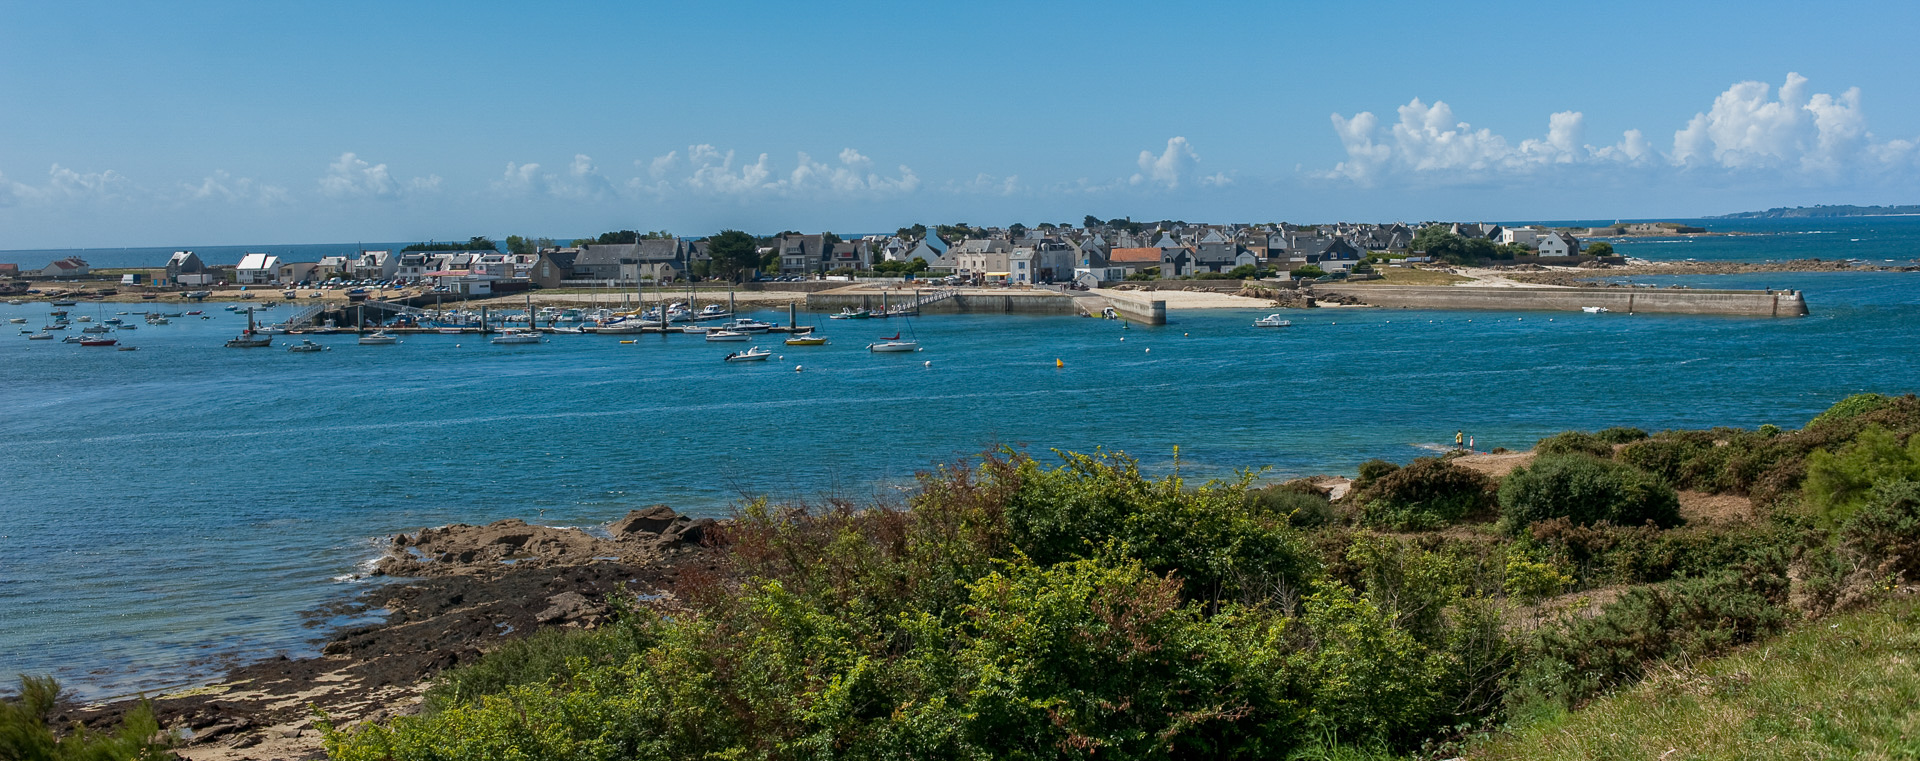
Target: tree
<point>1090,221</point>
<point>481,243</point>
<point>519,246</point>
<point>916,231</point>
<point>733,253</point>
<point>623,236</point>
<point>830,238</point>
<point>1017,228</point>
<point>1309,271</point>
<point>1601,248</point>
<point>1243,272</point>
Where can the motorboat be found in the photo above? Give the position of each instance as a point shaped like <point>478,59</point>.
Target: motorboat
<point>618,327</point>
<point>84,318</point>
<point>307,346</point>
<point>517,336</point>
<point>849,313</point>
<point>18,320</point>
<point>379,338</point>
<point>158,321</point>
<point>752,354</point>
<point>566,330</point>
<point>808,339</point>
<point>1273,321</point>
<point>72,340</point>
<point>713,312</point>
<point>250,339</point>
<point>98,342</point>
<point>1594,310</point>
<point>747,325</point>
<point>40,337</point>
<point>128,326</point>
<point>717,336</point>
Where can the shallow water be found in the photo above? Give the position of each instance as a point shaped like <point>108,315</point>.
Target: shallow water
<point>172,506</point>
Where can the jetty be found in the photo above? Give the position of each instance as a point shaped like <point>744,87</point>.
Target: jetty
<point>1740,303</point>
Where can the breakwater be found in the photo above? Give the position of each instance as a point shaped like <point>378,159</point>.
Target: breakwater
<point>1775,303</point>
<point>982,301</point>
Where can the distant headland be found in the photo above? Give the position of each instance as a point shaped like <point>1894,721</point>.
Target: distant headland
<point>1814,212</point>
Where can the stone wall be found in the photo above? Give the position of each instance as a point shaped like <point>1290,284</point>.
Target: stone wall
<point>1624,300</point>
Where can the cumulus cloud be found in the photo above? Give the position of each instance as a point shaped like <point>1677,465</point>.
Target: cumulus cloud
<point>1167,169</point>
<point>68,186</point>
<point>1750,126</point>
<point>988,185</point>
<point>710,171</point>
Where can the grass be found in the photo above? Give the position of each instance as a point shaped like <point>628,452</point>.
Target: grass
<point>1411,276</point>
<point>1840,687</point>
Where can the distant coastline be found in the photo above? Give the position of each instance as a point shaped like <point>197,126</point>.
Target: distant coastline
<point>1819,212</point>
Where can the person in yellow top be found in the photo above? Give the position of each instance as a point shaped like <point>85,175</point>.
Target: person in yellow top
<point>1459,438</point>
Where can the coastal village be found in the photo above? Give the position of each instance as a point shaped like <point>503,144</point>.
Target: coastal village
<point>1087,256</point>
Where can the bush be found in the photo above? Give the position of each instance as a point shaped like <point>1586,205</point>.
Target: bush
<point>1585,490</point>
<point>546,655</point>
<point>1373,470</point>
<point>1837,484</point>
<point>1885,531</point>
<point>26,733</point>
<point>1428,493</point>
<point>1851,407</point>
<point>1620,435</point>
<point>1310,271</point>
<point>1303,508</point>
<point>1685,459</point>
<point>1684,620</point>
<point>1574,442</point>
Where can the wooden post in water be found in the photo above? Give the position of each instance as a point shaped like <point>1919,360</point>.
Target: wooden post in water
<point>793,321</point>
<point>486,326</point>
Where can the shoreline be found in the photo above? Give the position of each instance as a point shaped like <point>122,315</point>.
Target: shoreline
<point>457,591</point>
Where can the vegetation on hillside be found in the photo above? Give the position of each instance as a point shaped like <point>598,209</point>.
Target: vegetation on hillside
<point>27,732</point>
<point>1013,609</point>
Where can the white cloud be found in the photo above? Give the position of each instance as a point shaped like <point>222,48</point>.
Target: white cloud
<point>66,186</point>
<point>988,185</point>
<point>1749,127</point>
<point>221,186</point>
<point>351,177</point>
<point>1167,169</point>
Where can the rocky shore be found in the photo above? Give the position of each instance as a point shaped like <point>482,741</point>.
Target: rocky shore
<point>1586,276</point>
<point>457,592</point>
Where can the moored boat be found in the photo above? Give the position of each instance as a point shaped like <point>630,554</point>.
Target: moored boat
<point>307,346</point>
<point>379,338</point>
<point>1594,310</point>
<point>1272,321</point>
<point>517,336</point>
<point>808,339</point>
<point>98,342</point>
<point>752,354</point>
<point>849,313</point>
<point>893,346</point>
<point>249,339</point>
<point>717,336</point>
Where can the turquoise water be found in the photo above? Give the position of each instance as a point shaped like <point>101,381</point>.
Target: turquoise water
<point>168,508</point>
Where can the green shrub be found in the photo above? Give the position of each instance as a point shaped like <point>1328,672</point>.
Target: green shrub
<point>27,734</point>
<point>1373,470</point>
<point>1851,407</point>
<point>1530,578</point>
<point>1574,442</point>
<point>545,656</point>
<point>1885,530</point>
<point>1585,490</point>
<point>1685,459</point>
<point>1620,435</point>
<point>1683,620</point>
<point>1837,484</point>
<point>1428,493</point>
<point>1304,509</point>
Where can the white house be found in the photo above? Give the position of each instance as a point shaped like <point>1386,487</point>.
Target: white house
<point>72,266</point>
<point>375,265</point>
<point>1525,236</point>
<point>257,269</point>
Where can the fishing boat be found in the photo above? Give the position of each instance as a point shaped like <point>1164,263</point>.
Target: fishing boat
<point>713,312</point>
<point>808,339</point>
<point>249,339</point>
<point>752,354</point>
<point>40,337</point>
<point>307,346</point>
<point>516,336</point>
<point>379,338</point>
<point>1594,310</point>
<point>849,313</point>
<point>1273,321</point>
<point>98,342</point>
<point>716,336</point>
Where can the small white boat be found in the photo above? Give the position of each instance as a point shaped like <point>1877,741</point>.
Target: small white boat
<point>1594,310</point>
<point>565,330</point>
<point>752,354</point>
<point>42,336</point>
<point>849,313</point>
<point>894,346</point>
<point>727,335</point>
<point>84,318</point>
<point>306,346</point>
<point>713,312</point>
<point>1272,321</point>
<point>517,336</point>
<point>747,325</point>
<point>18,320</point>
<point>128,326</point>
<point>379,338</point>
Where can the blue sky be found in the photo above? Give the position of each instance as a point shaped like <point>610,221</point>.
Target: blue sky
<point>210,123</point>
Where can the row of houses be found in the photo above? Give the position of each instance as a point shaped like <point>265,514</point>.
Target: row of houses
<point>68,267</point>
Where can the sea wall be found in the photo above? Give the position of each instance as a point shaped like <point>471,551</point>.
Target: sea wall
<point>1625,300</point>
<point>1140,307</point>
<point>994,302</point>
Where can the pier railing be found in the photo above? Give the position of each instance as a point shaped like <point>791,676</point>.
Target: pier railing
<point>306,314</point>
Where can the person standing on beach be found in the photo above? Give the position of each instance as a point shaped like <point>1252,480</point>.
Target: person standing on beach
<point>1459,437</point>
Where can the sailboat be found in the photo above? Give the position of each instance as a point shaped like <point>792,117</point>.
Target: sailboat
<point>894,344</point>
<point>250,339</point>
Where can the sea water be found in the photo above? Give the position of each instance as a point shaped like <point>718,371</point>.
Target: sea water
<point>168,509</point>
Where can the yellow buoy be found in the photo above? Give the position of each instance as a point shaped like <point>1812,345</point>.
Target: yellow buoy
<point>1058,363</point>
